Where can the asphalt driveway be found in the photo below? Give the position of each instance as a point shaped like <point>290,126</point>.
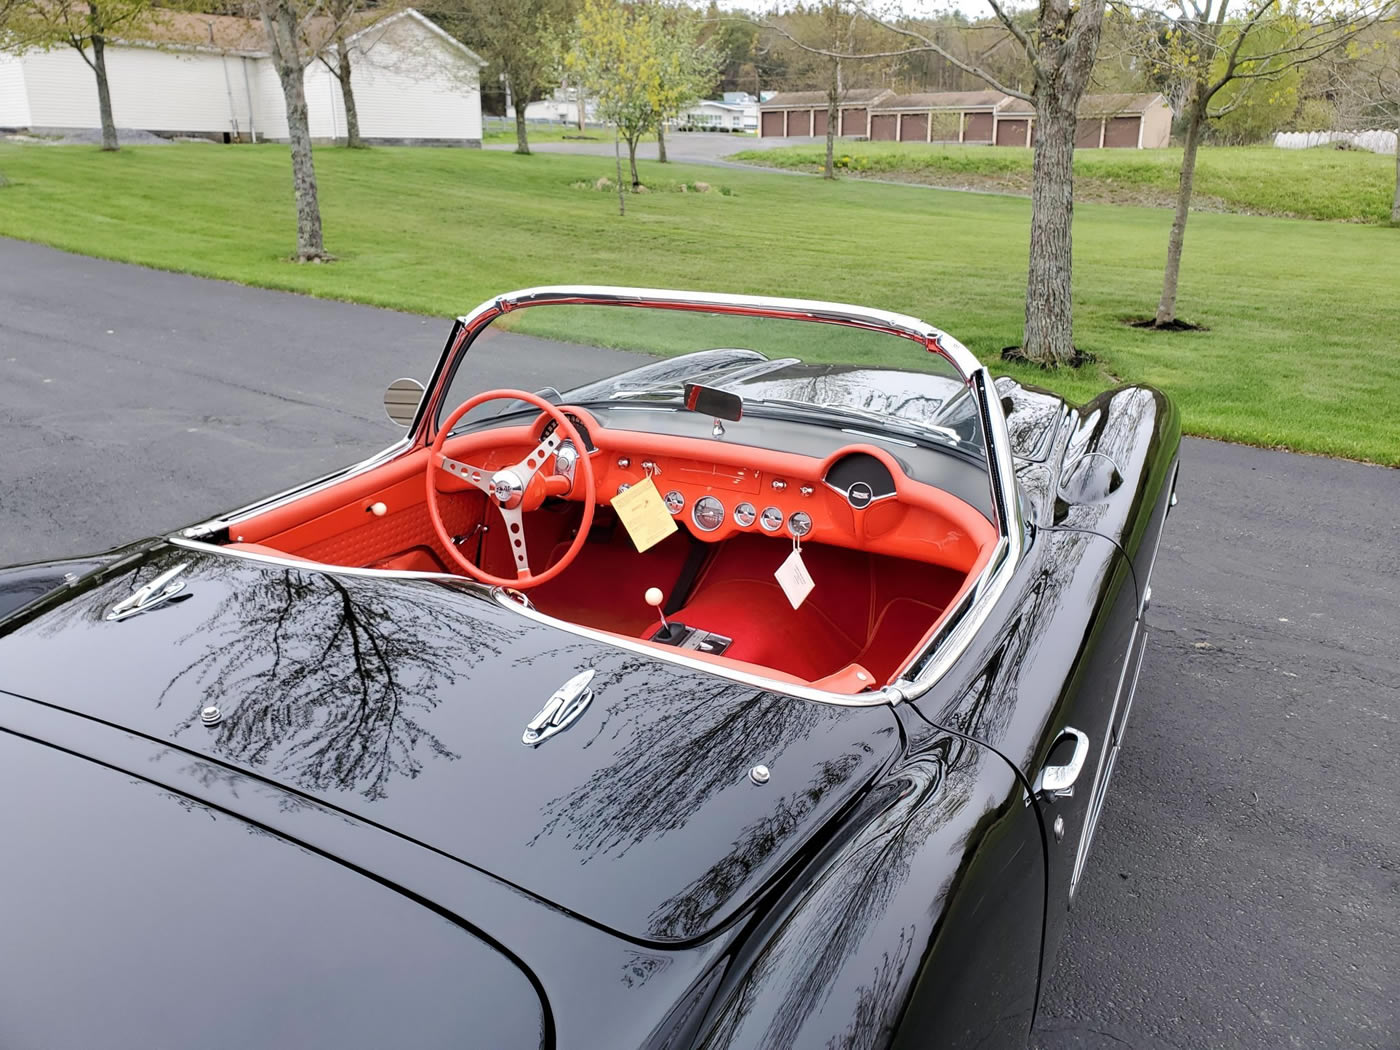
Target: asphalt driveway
<point>1245,884</point>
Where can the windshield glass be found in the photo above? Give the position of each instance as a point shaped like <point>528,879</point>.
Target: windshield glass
<point>778,366</point>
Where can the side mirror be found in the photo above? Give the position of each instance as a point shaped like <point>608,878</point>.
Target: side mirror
<point>401,400</point>
<point>710,401</point>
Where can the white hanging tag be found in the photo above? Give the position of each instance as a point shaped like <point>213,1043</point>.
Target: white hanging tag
<point>793,578</point>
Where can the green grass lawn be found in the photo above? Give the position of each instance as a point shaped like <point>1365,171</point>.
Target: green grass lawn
<point>1323,183</point>
<point>495,131</point>
<point>1303,316</point>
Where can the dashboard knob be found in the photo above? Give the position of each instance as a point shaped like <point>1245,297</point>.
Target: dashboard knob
<point>623,462</point>
<point>806,490</point>
<point>779,484</point>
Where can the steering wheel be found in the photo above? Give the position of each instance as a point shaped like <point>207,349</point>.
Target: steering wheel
<point>514,489</point>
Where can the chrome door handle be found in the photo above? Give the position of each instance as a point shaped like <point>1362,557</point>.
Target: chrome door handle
<point>1058,781</point>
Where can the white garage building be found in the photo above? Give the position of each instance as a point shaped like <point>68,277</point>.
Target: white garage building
<point>212,76</point>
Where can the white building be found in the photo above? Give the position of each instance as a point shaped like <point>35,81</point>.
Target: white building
<point>211,75</point>
<point>714,115</point>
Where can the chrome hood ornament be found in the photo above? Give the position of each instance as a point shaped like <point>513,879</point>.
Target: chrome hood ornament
<point>568,702</point>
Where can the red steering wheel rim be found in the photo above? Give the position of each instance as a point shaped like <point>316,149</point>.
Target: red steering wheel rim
<point>584,467</point>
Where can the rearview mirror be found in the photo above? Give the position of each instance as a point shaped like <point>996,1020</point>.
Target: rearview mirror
<point>401,400</point>
<point>720,404</point>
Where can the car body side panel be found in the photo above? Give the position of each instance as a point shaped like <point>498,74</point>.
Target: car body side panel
<point>921,927</point>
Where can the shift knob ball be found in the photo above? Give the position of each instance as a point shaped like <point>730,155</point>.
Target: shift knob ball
<point>654,596</point>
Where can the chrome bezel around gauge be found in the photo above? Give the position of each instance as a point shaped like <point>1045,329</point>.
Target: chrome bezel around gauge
<point>706,502</point>
<point>800,523</point>
<point>675,501</point>
<point>745,514</point>
<point>771,519</point>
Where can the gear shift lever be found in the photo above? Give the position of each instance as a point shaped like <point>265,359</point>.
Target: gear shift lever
<point>654,598</point>
<point>670,633</point>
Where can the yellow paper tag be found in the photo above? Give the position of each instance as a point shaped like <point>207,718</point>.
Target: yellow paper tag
<point>643,515</point>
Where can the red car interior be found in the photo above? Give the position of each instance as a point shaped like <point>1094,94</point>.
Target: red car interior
<point>884,574</point>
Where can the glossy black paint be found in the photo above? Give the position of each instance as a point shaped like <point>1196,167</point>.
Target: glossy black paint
<point>123,941</point>
<point>404,701</point>
<point>624,884</point>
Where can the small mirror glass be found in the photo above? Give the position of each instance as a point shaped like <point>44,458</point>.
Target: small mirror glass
<point>708,400</point>
<point>401,400</point>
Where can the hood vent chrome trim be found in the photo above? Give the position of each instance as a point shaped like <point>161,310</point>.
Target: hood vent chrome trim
<point>157,592</point>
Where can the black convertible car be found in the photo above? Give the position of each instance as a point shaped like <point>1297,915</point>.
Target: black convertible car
<point>744,699</point>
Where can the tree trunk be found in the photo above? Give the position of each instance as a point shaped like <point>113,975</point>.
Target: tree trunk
<point>632,159</point>
<point>1395,201</point>
<point>522,143</point>
<point>1166,305</point>
<point>581,103</point>
<point>833,114</point>
<point>617,156</point>
<point>1049,303</point>
<point>661,142</point>
<point>104,94</point>
<point>347,95</point>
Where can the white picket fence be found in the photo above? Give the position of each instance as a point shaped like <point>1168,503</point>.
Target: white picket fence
<point>1375,141</point>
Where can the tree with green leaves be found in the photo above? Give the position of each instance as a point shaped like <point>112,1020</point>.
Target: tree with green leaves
<point>522,39</point>
<point>1219,58</point>
<point>685,67</point>
<point>84,26</point>
<point>616,58</point>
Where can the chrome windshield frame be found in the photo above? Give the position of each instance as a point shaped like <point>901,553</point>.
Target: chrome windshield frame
<point>934,660</point>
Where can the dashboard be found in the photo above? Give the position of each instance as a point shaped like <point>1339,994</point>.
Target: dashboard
<point>858,495</point>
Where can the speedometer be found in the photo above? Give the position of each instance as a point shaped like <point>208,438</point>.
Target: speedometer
<point>551,426</point>
<point>708,514</point>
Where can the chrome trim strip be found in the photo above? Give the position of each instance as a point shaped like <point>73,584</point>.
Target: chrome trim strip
<point>879,698</point>
<point>305,488</point>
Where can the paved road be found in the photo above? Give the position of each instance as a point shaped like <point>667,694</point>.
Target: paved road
<point>1245,886</point>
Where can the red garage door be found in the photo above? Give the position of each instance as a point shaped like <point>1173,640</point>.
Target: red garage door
<point>799,122</point>
<point>819,122</point>
<point>772,124</point>
<point>978,127</point>
<point>1122,132</point>
<point>1086,134</point>
<point>853,121</point>
<point>1011,132</point>
<point>884,127</point>
<point>913,127</point>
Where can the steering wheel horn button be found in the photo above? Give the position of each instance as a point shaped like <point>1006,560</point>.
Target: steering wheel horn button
<point>562,710</point>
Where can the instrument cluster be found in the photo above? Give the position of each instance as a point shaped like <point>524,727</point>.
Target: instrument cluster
<point>715,499</point>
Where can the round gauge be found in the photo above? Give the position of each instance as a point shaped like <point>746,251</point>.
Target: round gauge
<point>800,524</point>
<point>744,514</point>
<point>708,514</point>
<point>551,426</point>
<point>675,502</point>
<point>771,519</point>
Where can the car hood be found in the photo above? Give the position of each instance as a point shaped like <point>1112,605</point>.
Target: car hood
<point>403,702</point>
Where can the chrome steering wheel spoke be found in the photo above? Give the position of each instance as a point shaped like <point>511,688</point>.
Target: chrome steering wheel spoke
<point>475,476</point>
<point>535,461</point>
<point>515,536</point>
